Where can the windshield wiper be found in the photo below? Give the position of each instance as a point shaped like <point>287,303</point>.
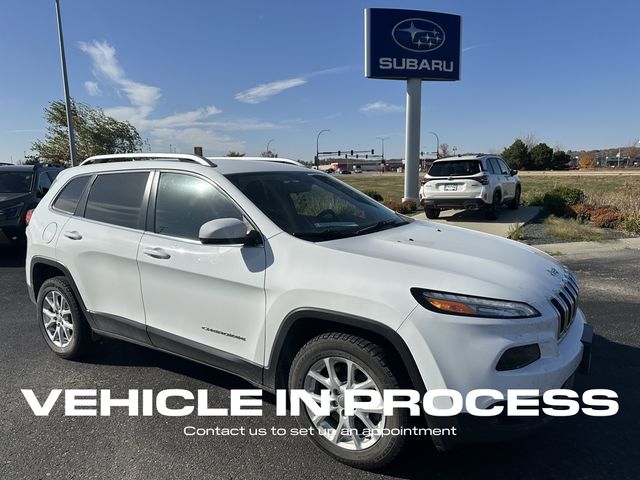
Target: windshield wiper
<point>379,226</point>
<point>329,234</point>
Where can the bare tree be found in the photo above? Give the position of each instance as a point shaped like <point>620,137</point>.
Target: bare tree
<point>530,140</point>
<point>444,150</point>
<point>632,151</point>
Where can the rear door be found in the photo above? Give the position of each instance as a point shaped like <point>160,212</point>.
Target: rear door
<point>200,300</point>
<point>508,181</point>
<point>99,245</point>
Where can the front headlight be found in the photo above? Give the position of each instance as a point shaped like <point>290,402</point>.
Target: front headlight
<point>465,305</point>
<point>12,211</point>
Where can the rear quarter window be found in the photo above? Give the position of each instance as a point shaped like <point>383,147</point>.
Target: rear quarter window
<point>69,196</point>
<point>455,168</point>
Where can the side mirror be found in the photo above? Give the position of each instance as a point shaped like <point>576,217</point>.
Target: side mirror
<point>513,172</point>
<point>227,231</point>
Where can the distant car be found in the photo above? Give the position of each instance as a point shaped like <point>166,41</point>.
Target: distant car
<point>357,170</point>
<point>21,188</point>
<point>470,182</point>
<point>344,171</point>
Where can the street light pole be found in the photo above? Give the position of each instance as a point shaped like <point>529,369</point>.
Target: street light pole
<point>269,143</point>
<point>382,139</point>
<point>318,146</point>
<point>65,81</point>
<point>437,144</point>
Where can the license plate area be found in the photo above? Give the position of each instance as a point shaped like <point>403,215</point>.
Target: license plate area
<point>450,188</point>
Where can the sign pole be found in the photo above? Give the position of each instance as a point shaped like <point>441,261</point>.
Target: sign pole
<point>412,139</point>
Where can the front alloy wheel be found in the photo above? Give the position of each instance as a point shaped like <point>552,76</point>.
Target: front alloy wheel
<point>336,362</point>
<point>349,432</point>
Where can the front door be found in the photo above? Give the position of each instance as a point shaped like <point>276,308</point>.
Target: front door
<point>200,298</point>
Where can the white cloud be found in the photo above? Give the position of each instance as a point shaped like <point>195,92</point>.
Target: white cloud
<point>381,107</point>
<point>92,88</point>
<point>264,91</point>
<point>213,143</point>
<point>143,98</point>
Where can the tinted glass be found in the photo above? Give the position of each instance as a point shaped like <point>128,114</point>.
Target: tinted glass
<point>117,198</point>
<point>44,182</point>
<point>314,206</point>
<point>69,197</point>
<point>15,182</point>
<point>503,167</point>
<point>53,174</point>
<point>455,168</point>
<point>184,203</point>
<point>493,164</point>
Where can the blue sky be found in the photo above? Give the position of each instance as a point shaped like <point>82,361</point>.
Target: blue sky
<point>233,75</point>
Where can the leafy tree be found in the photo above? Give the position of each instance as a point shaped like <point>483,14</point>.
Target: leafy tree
<point>541,156</point>
<point>231,153</point>
<point>95,132</point>
<point>517,155</point>
<point>268,154</point>
<point>560,160</point>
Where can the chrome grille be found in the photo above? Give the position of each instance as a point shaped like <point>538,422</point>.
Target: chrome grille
<point>565,302</point>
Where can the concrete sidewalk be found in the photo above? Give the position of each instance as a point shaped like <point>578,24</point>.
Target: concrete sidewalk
<point>590,249</point>
<point>475,219</point>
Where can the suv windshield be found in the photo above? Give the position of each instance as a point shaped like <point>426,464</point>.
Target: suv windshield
<point>314,206</point>
<point>455,168</point>
<point>15,182</point>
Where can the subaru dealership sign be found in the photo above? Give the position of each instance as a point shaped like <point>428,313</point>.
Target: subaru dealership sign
<point>402,44</point>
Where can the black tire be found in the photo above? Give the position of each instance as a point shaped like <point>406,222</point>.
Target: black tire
<point>514,204</point>
<point>81,331</point>
<point>431,212</point>
<point>493,210</point>
<point>376,361</point>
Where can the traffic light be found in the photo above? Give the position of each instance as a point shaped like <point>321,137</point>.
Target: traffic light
<point>367,156</point>
<point>339,153</point>
<point>372,151</point>
<point>357,155</point>
<point>352,153</point>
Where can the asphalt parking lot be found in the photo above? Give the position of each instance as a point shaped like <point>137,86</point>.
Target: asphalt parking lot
<point>155,447</point>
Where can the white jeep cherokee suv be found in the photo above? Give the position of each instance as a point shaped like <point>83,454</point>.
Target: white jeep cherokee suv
<point>292,279</point>
<point>470,182</point>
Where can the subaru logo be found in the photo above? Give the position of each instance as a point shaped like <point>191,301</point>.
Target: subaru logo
<point>553,272</point>
<point>418,35</point>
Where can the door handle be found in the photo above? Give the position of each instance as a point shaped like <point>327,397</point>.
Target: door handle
<point>156,253</point>
<point>73,235</point>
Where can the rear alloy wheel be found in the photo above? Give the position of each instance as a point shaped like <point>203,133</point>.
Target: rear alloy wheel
<point>61,321</point>
<point>336,362</point>
<point>494,209</point>
<point>514,204</point>
<point>431,212</point>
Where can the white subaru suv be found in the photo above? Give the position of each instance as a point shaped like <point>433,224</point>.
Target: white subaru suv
<point>292,279</point>
<point>470,182</point>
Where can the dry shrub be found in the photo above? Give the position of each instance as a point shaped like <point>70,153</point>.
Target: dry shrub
<point>606,216</point>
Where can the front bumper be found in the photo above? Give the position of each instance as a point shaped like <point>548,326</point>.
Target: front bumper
<point>471,429</point>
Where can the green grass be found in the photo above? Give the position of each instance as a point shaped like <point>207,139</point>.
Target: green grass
<point>516,231</point>
<point>572,230</point>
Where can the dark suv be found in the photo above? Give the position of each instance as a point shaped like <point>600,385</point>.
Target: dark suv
<point>21,188</point>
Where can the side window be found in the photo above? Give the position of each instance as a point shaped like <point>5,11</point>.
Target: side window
<point>493,166</point>
<point>117,198</point>
<point>53,174</point>
<point>69,196</point>
<point>184,203</point>
<point>503,167</point>
<point>44,183</point>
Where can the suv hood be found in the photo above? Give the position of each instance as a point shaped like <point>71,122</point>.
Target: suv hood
<point>8,199</point>
<point>454,259</point>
